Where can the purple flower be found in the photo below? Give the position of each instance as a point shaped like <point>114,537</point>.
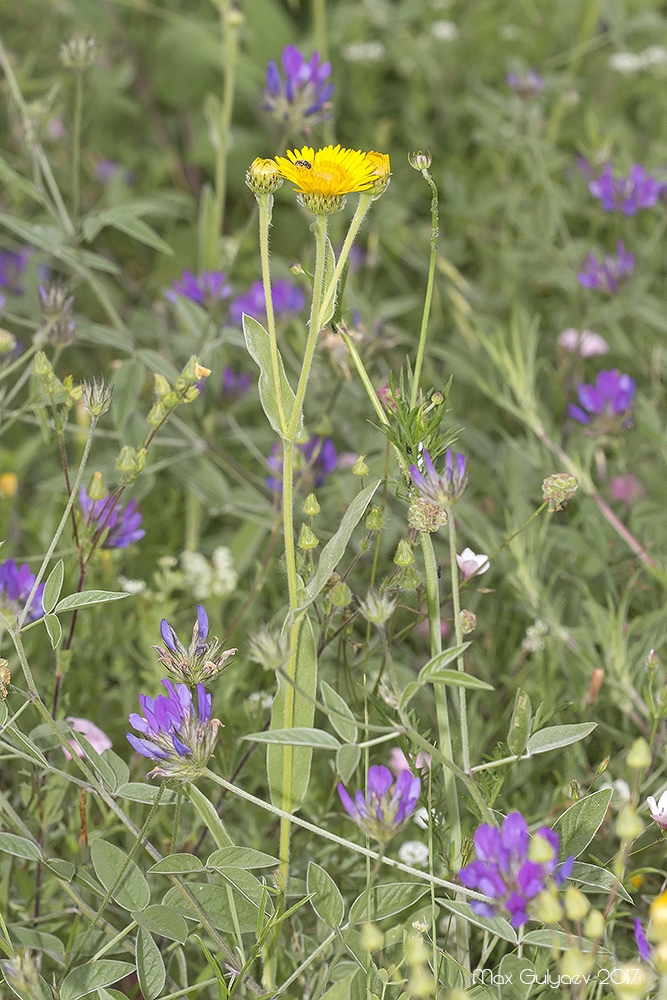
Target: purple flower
<point>301,98</point>
<point>288,300</point>
<point>15,586</point>
<point>441,489</point>
<point>505,869</point>
<point>643,947</point>
<point>385,808</point>
<point>206,288</point>
<point>610,398</point>
<point>180,737</point>
<point>120,524</point>
<point>318,458</point>
<point>628,194</point>
<point>526,85</point>
<point>200,661</point>
<point>607,276</point>
<point>13,264</point>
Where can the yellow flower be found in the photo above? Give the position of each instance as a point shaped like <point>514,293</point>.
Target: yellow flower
<point>323,178</point>
<point>263,177</point>
<point>381,171</point>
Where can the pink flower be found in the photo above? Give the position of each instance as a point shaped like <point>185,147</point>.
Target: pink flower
<point>658,810</point>
<point>626,488</point>
<point>93,734</point>
<point>398,762</point>
<point>471,564</point>
<point>584,342</point>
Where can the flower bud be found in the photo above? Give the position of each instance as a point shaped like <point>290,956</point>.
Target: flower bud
<point>639,755</point>
<point>156,414</point>
<point>595,925</point>
<point>425,516</point>
<point>9,484</point>
<point>374,519</point>
<point>576,903</point>
<point>376,607</point>
<point>575,963</point>
<point>307,538</point>
<point>628,824</point>
<point>78,53</point>
<point>263,177</point>
<point>404,554</point>
<point>468,621</point>
<point>131,460</point>
<point>360,468</point>
<point>420,160</point>
<point>340,595</point>
<point>96,488</point>
<point>96,397</point>
<point>310,505</point>
<point>372,938</point>
<point>549,909</point>
<point>7,341</point>
<point>558,489</point>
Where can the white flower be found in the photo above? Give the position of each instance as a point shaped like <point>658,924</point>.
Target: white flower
<point>658,810</point>
<point>444,31</point>
<point>586,343</point>
<point>260,699</point>
<point>226,575</point>
<point>198,574</point>
<point>131,586</point>
<point>655,55</point>
<point>472,564</point>
<point>414,853</point>
<point>627,62</point>
<point>371,51</point>
<point>420,817</point>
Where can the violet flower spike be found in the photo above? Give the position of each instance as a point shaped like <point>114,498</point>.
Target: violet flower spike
<point>506,872</point>
<point>206,288</point>
<point>120,525</point>
<point>301,98</point>
<point>643,947</point>
<point>626,194</point>
<point>386,806</point>
<point>288,300</point>
<point>609,402</point>
<point>442,490</point>
<point>201,661</point>
<point>608,276</point>
<point>175,735</point>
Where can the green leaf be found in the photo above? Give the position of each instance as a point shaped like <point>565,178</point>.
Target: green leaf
<point>342,990</point>
<point>53,586</point>
<point>20,847</point>
<point>327,900</point>
<point>79,982</point>
<point>177,864</point>
<point>347,727</point>
<point>519,730</point>
<point>294,761</point>
<point>54,629</point>
<point>298,736</point>
<point>143,233</point>
<point>333,551</point>
<point>26,745</point>
<point>599,878</point>
<point>209,815</point>
<point>518,978</point>
<point>347,760</point>
<point>164,921</point>
<point>87,597</point>
<point>458,678</point>
<point>241,857</point>
<point>105,771</point>
<point>556,939</point>
<point>554,737</point>
<point>497,926</point>
<point>258,343</point>
<point>64,870</point>
<point>439,661</point>
<point>578,825</point>
<point>386,900</point>
<point>150,967</point>
<point>128,381</point>
<point>138,791</point>
<point>132,892</point>
<point>217,904</point>
<point>26,937</point>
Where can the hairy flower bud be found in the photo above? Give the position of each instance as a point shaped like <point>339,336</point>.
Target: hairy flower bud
<point>96,397</point>
<point>558,489</point>
<point>263,177</point>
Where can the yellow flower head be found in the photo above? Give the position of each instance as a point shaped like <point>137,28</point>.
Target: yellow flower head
<point>263,177</point>
<point>323,178</point>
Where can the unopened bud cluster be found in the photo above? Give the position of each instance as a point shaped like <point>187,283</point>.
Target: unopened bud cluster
<point>377,607</point>
<point>186,390</point>
<point>96,397</point>
<point>56,305</point>
<point>425,516</point>
<point>268,648</point>
<point>79,53</point>
<point>558,489</point>
<point>201,661</point>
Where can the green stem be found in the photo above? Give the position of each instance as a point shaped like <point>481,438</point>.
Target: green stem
<point>76,144</point>
<point>363,205</point>
<point>177,819</point>
<point>317,308</point>
<point>444,729</point>
<point>119,877</point>
<point>349,844</point>
<point>265,205</point>
<point>463,721</point>
<point>414,393</point>
<point>59,530</point>
<point>230,29</point>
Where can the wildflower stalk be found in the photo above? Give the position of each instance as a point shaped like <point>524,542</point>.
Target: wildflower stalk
<point>364,203</point>
<point>414,392</point>
<point>265,205</point>
<point>460,665</point>
<point>76,142</point>
<point>230,32</point>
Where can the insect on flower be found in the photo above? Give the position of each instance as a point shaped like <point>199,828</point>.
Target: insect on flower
<point>305,164</point>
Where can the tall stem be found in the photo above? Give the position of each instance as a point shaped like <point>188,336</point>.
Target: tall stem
<point>463,721</point>
<point>76,143</point>
<point>265,205</point>
<point>414,393</point>
<point>230,30</point>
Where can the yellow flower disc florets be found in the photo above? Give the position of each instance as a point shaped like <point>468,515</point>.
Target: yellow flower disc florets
<point>323,178</point>
<point>263,176</point>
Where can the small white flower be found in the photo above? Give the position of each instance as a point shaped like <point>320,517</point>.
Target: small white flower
<point>131,586</point>
<point>584,342</point>
<point>413,853</point>
<point>472,564</point>
<point>260,699</point>
<point>363,51</point>
<point>420,817</point>
<point>444,31</point>
<point>627,62</point>
<point>198,574</point>
<point>226,576</point>
<point>658,810</point>
<point>655,55</point>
